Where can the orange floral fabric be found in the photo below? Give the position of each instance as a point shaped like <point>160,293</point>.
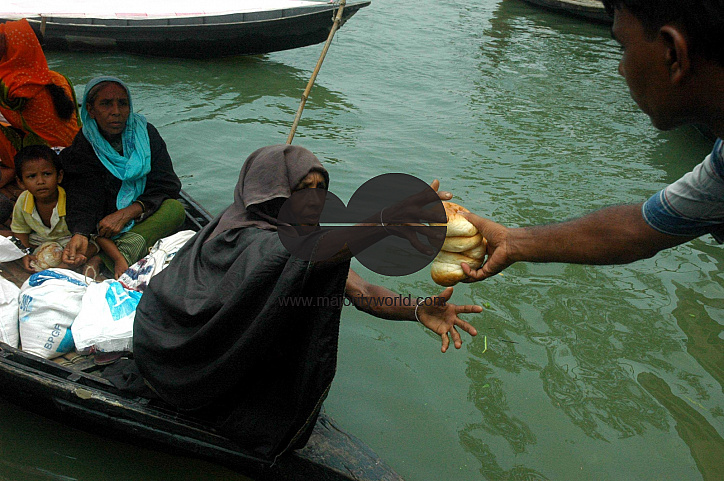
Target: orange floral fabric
<point>24,101</point>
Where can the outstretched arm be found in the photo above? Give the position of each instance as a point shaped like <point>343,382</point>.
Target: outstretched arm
<point>613,235</point>
<point>434,312</point>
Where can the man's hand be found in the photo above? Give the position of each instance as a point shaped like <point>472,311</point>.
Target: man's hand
<point>497,251</point>
<point>435,185</point>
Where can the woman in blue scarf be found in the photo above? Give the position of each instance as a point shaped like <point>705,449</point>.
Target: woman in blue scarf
<point>119,180</point>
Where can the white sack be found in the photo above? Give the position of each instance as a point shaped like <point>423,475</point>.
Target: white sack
<point>9,251</point>
<point>105,321</point>
<point>49,301</point>
<point>9,333</point>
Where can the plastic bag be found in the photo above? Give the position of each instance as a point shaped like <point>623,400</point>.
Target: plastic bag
<point>49,302</point>
<point>139,274</point>
<point>105,320</point>
<point>9,331</point>
<point>47,255</point>
<point>9,251</point>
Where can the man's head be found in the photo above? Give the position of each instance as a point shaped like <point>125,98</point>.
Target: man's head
<point>702,21</point>
<point>673,57</point>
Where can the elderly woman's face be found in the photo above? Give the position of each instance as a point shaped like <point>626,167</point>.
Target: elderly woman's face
<point>313,180</point>
<point>110,109</point>
<point>307,201</point>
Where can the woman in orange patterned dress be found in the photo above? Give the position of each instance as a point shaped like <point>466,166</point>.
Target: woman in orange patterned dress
<point>38,105</point>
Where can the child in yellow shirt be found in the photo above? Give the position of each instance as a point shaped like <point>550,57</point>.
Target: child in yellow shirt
<point>39,213</point>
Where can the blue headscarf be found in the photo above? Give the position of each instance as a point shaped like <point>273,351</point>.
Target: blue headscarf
<point>135,163</point>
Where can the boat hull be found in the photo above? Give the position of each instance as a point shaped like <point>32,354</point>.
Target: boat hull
<point>84,401</point>
<point>591,10</point>
<point>250,33</point>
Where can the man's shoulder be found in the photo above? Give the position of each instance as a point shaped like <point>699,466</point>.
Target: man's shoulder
<point>23,204</point>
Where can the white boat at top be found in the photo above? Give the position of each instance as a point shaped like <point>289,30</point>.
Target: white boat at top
<point>180,28</point>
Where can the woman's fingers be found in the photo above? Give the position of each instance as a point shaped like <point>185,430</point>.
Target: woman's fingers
<point>446,294</point>
<point>467,327</point>
<point>457,340</point>
<point>467,309</point>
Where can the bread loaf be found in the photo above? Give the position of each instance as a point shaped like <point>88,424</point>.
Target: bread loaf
<point>463,243</point>
<point>446,270</point>
<point>460,244</point>
<point>457,225</point>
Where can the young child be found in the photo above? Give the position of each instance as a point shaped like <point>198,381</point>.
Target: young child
<point>39,213</point>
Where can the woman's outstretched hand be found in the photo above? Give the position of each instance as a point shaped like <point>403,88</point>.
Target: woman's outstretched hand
<point>408,219</point>
<point>442,318</point>
<point>444,195</point>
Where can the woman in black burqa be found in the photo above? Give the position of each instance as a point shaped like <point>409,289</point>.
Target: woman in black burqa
<point>212,333</point>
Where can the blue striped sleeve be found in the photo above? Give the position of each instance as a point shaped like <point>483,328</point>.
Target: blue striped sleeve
<point>694,204</point>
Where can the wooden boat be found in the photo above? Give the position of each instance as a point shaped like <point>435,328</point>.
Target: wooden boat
<point>587,9</point>
<point>71,389</point>
<point>181,28</point>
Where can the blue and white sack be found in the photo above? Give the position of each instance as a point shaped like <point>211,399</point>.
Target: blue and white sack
<point>105,321</point>
<point>49,301</point>
<point>9,333</point>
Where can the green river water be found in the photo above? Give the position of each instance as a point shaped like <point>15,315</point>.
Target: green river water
<point>590,373</point>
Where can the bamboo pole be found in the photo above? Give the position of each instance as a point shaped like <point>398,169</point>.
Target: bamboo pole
<point>305,95</point>
<point>42,24</point>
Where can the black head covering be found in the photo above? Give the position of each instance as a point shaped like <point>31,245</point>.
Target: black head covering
<point>269,173</point>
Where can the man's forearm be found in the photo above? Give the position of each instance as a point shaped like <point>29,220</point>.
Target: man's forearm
<point>613,235</point>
